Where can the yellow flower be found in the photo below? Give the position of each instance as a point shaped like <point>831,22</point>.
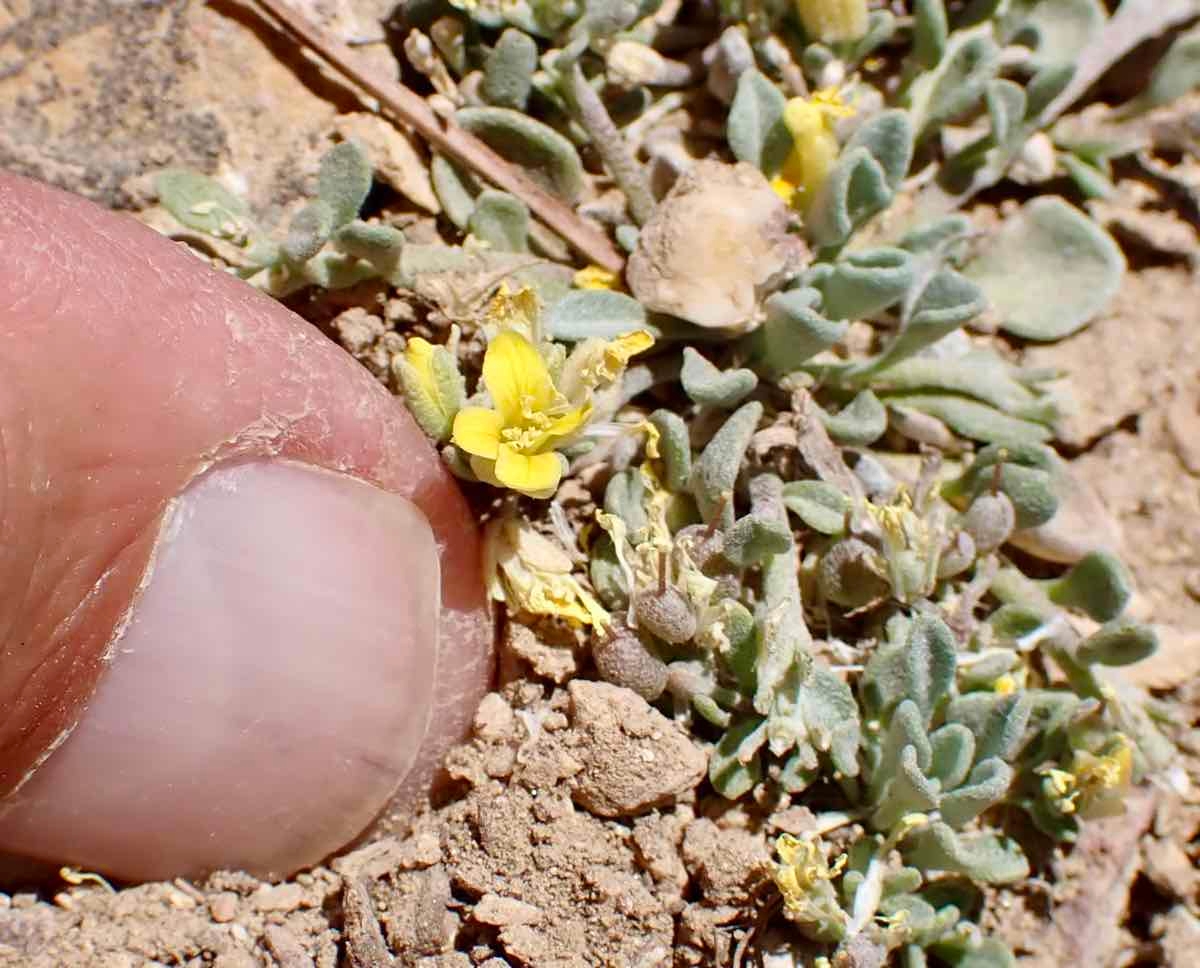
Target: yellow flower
<point>433,386</point>
<point>597,277</point>
<point>814,146</point>
<point>532,574</point>
<point>833,21</point>
<point>514,444</point>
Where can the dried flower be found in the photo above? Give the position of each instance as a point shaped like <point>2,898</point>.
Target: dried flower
<point>532,574</point>
<point>1096,784</point>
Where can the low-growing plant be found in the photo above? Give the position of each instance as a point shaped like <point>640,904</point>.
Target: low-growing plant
<point>799,540</point>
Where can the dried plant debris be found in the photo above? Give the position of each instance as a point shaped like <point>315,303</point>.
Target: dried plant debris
<point>814,639</point>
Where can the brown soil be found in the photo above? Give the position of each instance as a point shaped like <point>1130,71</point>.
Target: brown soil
<point>553,851</point>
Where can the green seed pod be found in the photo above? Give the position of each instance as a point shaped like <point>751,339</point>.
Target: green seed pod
<point>623,660</point>
<point>665,611</point>
<point>990,521</point>
<point>666,614</point>
<point>850,574</point>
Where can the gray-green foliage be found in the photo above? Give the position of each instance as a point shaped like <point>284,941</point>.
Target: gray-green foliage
<point>323,244</point>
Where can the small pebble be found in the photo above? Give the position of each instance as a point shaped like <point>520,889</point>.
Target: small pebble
<point>223,907</point>
<point>278,897</point>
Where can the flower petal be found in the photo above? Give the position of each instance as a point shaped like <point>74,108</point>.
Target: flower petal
<point>516,376</point>
<point>537,475</point>
<point>477,431</point>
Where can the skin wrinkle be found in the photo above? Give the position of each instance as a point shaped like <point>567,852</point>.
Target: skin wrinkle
<point>269,386</point>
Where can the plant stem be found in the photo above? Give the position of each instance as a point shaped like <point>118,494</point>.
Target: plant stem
<point>611,145</point>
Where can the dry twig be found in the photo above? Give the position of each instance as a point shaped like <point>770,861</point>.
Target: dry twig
<point>410,109</point>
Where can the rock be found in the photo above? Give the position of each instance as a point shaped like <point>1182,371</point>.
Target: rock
<point>728,863</point>
<point>634,758</point>
<point>223,907</point>
<point>278,897</point>
<point>714,247</point>
<point>501,912</point>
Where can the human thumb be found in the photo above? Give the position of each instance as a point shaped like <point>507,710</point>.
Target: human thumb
<point>241,610</point>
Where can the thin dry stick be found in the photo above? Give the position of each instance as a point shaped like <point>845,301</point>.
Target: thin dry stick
<point>410,109</point>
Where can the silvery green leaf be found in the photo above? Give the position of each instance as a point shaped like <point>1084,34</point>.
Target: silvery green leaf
<point>712,387</point>
<point>1028,474</point>
<point>986,857</point>
<point>985,787</point>
<point>855,189</point>
<point>330,270</point>
<point>742,657</point>
<point>1006,109</point>
<point>881,27</point>
<point>607,575</point>
<point>1091,181</point>
<point>973,419</point>
<point>308,231</point>
<point>583,313</point>
<point>888,137</point>
<point>792,333</point>
<point>715,472</point>
<point>378,244</point>
<point>936,235</point>
<point>202,204</point>
<point>908,791</point>
<point>986,378</point>
<point>734,766</point>
<point>831,716</point>
<point>930,660</point>
<point>675,446</point>
<point>861,284</point>
<point>1097,584</point>
<point>953,753</point>
<point>456,190</point>
<point>998,722</point>
<point>860,423</point>
<point>955,87</point>
<point>930,29</point>
<point>1118,643</point>
<point>820,505</point>
<point>501,220</point>
<point>906,730</point>
<point>942,305</point>
<point>1047,84</point>
<point>537,149</point>
<point>989,953</point>
<point>508,70</point>
<point>1060,30</point>
<point>755,128</point>
<point>434,406</point>
<point>1048,271</point>
<point>1177,74</point>
<point>344,181</point>
<point>752,539</point>
<point>624,497</point>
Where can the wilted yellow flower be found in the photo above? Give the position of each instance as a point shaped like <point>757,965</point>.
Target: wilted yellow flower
<point>519,311</point>
<point>513,445</point>
<point>1096,784</point>
<point>532,574</point>
<point>597,277</point>
<point>800,874</point>
<point>833,21</point>
<point>814,146</point>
